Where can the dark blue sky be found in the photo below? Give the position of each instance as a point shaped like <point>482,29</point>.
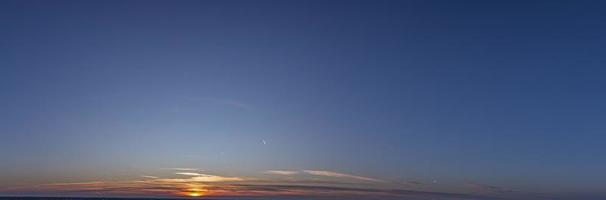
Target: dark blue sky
<point>500,93</point>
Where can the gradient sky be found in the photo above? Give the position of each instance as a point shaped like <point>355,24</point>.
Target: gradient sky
<point>501,99</point>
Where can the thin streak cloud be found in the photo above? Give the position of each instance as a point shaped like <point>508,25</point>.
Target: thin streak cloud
<point>189,174</point>
<point>184,169</point>
<point>213,178</point>
<point>340,175</point>
<point>281,172</point>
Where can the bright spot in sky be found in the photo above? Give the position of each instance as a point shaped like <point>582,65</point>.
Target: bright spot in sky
<point>194,194</point>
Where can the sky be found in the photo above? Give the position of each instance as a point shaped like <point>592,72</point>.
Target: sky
<point>290,99</point>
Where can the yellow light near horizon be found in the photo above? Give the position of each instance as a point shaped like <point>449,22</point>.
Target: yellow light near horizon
<point>194,194</point>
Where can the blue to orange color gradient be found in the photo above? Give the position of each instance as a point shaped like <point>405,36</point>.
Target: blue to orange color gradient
<point>282,99</point>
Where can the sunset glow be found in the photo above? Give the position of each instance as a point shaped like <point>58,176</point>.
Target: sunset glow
<point>195,192</point>
<point>192,194</point>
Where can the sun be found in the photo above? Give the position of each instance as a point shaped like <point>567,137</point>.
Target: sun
<point>194,194</point>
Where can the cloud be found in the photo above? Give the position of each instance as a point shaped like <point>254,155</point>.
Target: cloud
<point>78,183</point>
<point>213,178</point>
<point>189,174</point>
<point>174,188</point>
<point>351,192</point>
<point>198,177</point>
<point>185,169</point>
<point>340,175</point>
<point>281,172</point>
<point>207,185</point>
<point>321,173</point>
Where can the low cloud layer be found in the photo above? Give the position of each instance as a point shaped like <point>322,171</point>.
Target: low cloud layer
<point>188,183</point>
<point>185,187</point>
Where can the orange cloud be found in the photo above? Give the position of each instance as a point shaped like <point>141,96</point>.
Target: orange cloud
<point>185,188</point>
<point>208,185</point>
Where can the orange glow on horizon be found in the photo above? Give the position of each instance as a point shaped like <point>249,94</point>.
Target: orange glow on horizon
<point>194,192</point>
<point>206,186</point>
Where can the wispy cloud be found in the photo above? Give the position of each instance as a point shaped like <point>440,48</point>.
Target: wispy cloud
<point>204,178</point>
<point>340,175</point>
<point>78,183</point>
<point>189,183</point>
<point>340,191</point>
<point>213,178</point>
<point>189,174</point>
<point>199,177</point>
<point>281,172</point>
<point>184,169</point>
<point>185,187</point>
<point>210,185</point>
